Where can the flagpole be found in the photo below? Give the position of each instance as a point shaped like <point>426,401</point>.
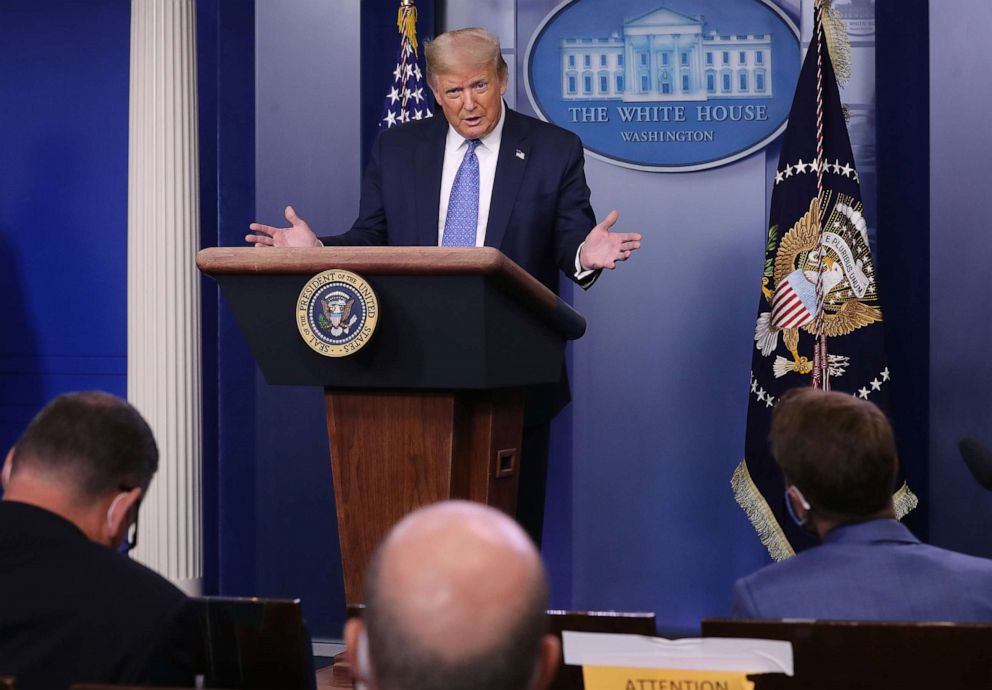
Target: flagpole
<point>406,24</point>
<point>406,99</point>
<point>821,372</point>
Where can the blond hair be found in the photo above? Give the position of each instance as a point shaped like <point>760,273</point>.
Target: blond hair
<point>461,48</point>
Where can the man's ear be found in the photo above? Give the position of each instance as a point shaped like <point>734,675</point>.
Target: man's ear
<point>356,642</point>
<point>119,515</point>
<point>8,466</point>
<point>799,505</point>
<point>548,661</point>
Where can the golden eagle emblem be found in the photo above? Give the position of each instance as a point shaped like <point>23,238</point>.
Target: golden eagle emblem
<point>846,277</point>
<point>336,316</point>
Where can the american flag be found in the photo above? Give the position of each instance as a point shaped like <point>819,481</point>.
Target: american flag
<point>408,97</point>
<point>794,302</point>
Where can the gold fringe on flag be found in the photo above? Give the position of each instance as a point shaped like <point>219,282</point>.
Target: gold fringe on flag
<point>406,22</point>
<point>838,42</point>
<point>904,501</point>
<point>761,516</point>
<point>769,531</point>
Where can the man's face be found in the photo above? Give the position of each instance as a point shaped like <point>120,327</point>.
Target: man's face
<point>471,99</point>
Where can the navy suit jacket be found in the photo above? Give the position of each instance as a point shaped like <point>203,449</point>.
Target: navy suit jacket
<point>539,213</point>
<point>874,570</point>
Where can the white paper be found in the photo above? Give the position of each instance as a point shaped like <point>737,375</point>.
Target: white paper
<point>699,653</point>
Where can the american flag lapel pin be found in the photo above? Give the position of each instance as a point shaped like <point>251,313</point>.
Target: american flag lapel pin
<point>521,155</point>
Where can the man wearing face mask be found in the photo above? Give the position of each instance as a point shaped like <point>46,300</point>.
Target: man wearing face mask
<point>72,607</point>
<point>455,600</point>
<point>838,457</point>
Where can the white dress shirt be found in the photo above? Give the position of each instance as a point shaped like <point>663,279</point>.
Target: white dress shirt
<point>487,152</point>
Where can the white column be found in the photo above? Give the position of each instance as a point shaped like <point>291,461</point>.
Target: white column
<point>631,84</point>
<point>653,67</point>
<point>163,289</point>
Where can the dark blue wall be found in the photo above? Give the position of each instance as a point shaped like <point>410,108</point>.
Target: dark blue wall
<point>226,90</point>
<point>902,66</point>
<point>960,253</point>
<point>307,153</point>
<point>63,202</point>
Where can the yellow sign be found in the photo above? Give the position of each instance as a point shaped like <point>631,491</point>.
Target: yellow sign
<point>615,678</point>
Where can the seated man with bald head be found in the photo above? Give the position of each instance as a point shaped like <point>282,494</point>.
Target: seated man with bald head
<point>455,600</point>
<point>838,458</point>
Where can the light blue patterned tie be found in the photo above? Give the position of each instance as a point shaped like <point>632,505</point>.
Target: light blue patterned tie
<point>462,218</point>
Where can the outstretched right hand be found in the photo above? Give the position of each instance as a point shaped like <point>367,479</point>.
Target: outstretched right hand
<point>298,234</point>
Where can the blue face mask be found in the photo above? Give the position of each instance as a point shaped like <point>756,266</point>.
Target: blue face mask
<point>788,505</point>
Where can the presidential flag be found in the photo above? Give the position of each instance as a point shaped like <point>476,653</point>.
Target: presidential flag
<point>407,98</point>
<point>819,320</point>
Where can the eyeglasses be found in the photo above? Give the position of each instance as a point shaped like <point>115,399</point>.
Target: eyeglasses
<point>132,531</point>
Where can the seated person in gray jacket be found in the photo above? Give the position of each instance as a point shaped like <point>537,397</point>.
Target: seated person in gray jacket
<point>838,457</point>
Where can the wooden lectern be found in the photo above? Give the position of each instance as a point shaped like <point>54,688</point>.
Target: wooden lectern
<point>432,407</point>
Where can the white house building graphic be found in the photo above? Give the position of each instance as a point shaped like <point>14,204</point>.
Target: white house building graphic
<point>663,55</point>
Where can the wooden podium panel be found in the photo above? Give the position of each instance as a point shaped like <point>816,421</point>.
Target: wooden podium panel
<point>437,446</point>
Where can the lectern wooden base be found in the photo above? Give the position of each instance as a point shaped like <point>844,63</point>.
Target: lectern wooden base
<point>394,451</point>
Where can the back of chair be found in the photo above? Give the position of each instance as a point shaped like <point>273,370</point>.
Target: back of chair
<point>852,654</point>
<point>570,677</point>
<point>104,686</point>
<point>256,644</point>
<point>7,683</point>
<point>99,686</point>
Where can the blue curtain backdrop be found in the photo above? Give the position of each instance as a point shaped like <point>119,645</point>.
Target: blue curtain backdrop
<point>63,202</point>
<point>226,92</point>
<point>903,92</point>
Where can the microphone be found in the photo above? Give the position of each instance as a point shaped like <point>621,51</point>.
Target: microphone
<point>978,457</point>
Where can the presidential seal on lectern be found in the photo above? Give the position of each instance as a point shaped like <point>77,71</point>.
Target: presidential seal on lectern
<point>336,313</point>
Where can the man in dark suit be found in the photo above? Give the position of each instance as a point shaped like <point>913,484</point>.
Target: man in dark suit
<point>532,201</point>
<point>72,608</point>
<point>482,175</point>
<point>838,456</point>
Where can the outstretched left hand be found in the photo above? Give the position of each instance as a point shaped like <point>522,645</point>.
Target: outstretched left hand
<point>603,249</point>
